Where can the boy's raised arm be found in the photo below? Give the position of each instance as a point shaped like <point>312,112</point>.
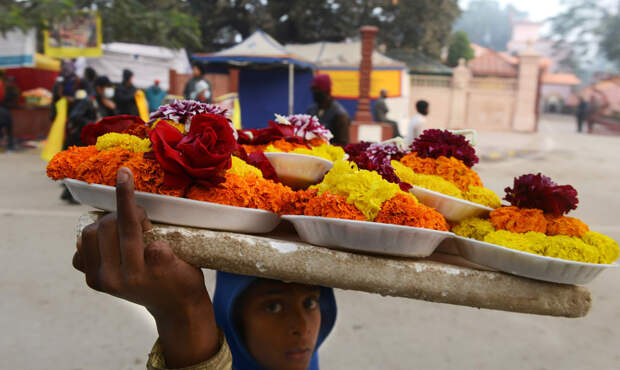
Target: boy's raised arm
<point>114,259</point>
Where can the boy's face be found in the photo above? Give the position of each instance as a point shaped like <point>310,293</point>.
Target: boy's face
<point>280,323</point>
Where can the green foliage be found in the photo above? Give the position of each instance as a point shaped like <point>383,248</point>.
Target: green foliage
<point>209,25</point>
<point>460,47</point>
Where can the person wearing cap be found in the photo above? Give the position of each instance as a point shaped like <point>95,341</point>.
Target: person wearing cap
<point>155,96</point>
<point>124,95</point>
<point>104,97</point>
<point>330,113</point>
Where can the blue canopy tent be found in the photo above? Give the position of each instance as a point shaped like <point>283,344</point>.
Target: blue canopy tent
<point>271,79</point>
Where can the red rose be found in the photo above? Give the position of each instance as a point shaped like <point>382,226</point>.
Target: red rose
<point>120,123</point>
<point>202,155</point>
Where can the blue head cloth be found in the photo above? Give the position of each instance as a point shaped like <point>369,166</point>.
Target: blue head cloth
<point>229,287</point>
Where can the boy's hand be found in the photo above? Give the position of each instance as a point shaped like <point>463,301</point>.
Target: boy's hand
<point>112,255</point>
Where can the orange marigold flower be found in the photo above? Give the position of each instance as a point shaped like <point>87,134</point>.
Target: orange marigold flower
<point>295,202</point>
<point>248,191</point>
<point>451,169</point>
<point>519,220</point>
<point>334,206</point>
<point>65,163</point>
<point>102,167</point>
<point>317,142</point>
<point>403,209</point>
<point>564,225</point>
<point>149,176</point>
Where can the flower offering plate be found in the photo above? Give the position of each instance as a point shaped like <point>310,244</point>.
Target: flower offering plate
<point>179,211</point>
<point>453,209</point>
<point>529,265</point>
<point>367,237</point>
<point>298,170</point>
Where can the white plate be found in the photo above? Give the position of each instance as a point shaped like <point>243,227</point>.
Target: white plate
<point>529,265</point>
<point>367,237</point>
<point>453,209</point>
<point>299,170</point>
<point>179,211</point>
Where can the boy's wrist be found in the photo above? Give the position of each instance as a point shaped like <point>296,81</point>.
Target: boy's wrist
<point>189,334</point>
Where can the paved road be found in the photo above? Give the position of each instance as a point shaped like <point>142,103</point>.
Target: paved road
<point>50,320</point>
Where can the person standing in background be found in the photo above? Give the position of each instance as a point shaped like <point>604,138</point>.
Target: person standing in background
<point>155,96</point>
<point>582,112</point>
<point>6,120</point>
<point>331,114</point>
<point>417,121</point>
<point>189,92</point>
<point>104,95</point>
<point>124,95</point>
<point>380,111</point>
<point>88,81</point>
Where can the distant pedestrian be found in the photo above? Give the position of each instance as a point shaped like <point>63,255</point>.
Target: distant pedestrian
<point>125,95</point>
<point>380,111</point>
<point>418,120</point>
<point>88,81</point>
<point>104,97</point>
<point>6,120</point>
<point>192,86</point>
<point>155,96</point>
<point>330,113</point>
<point>582,113</point>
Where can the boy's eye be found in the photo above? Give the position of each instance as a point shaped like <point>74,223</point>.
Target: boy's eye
<point>311,303</point>
<point>273,307</point>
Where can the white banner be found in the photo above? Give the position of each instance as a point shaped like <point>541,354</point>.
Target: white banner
<point>17,48</point>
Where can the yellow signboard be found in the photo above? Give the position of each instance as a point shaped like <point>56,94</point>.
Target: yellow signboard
<point>75,36</point>
<point>345,83</point>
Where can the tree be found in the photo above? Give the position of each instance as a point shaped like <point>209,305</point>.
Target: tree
<point>460,47</point>
<point>590,28</point>
<point>487,24</point>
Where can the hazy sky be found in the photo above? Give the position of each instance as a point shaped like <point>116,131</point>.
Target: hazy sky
<point>538,9</point>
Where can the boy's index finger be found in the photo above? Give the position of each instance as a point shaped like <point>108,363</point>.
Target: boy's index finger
<point>129,220</point>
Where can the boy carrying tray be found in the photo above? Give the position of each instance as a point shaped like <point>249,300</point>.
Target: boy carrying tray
<point>252,323</point>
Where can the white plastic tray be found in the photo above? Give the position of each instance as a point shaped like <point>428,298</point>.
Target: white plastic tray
<point>179,211</point>
<point>453,209</point>
<point>529,265</point>
<point>299,170</point>
<point>367,237</point>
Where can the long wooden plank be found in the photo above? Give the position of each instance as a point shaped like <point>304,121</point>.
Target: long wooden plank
<point>281,256</point>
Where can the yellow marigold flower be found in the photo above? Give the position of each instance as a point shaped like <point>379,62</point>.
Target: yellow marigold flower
<point>242,168</point>
<point>125,141</point>
<point>473,228</point>
<point>570,248</point>
<point>484,196</point>
<point>607,247</point>
<point>178,126</point>
<point>367,190</point>
<point>325,151</point>
<point>531,242</point>
<point>430,182</point>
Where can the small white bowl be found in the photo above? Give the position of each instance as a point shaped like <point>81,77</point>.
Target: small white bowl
<point>179,211</point>
<point>299,170</point>
<point>367,237</point>
<point>534,266</point>
<point>453,209</point>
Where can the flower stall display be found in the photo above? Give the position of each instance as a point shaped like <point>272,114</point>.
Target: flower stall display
<point>534,232</point>
<point>185,151</point>
<point>351,208</point>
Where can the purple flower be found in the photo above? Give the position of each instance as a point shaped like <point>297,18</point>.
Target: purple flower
<point>435,143</point>
<point>305,126</point>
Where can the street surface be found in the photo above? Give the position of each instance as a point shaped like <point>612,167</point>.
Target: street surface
<point>51,320</point>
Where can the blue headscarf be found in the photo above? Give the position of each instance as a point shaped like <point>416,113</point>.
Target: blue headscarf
<point>229,287</point>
